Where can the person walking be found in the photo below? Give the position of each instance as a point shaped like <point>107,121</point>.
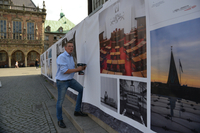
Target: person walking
<point>64,79</point>
<point>16,64</point>
<point>36,63</point>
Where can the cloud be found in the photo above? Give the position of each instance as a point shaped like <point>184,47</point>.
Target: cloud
<point>74,10</point>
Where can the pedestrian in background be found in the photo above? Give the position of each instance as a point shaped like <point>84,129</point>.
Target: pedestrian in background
<point>16,64</point>
<point>36,63</point>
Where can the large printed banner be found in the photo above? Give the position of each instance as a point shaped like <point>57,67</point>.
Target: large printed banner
<point>175,67</point>
<point>143,65</point>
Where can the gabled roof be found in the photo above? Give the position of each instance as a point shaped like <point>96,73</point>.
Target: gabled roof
<point>27,3</point>
<point>55,25</point>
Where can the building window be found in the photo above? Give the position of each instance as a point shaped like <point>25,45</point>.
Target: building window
<point>30,31</point>
<point>18,56</point>
<point>55,38</point>
<point>17,30</point>
<point>2,56</point>
<point>47,38</point>
<point>60,29</point>
<point>33,56</point>
<point>5,2</point>
<point>3,29</point>
<point>46,46</point>
<point>48,29</point>
<point>97,3</point>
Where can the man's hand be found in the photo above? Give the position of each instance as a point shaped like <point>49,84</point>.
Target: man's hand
<point>80,68</point>
<point>84,67</point>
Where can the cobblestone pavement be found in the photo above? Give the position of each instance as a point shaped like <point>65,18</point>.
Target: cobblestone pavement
<point>22,103</point>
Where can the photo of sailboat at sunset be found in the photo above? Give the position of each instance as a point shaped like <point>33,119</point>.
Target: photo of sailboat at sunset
<point>175,76</point>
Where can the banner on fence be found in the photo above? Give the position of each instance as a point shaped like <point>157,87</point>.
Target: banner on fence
<point>142,64</point>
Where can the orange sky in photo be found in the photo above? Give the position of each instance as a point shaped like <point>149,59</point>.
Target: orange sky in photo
<point>186,79</point>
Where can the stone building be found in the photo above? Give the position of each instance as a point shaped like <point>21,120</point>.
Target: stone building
<point>21,32</point>
<point>54,30</point>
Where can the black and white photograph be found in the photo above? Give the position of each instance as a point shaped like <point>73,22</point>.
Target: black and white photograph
<point>109,93</point>
<point>60,47</point>
<point>49,64</point>
<point>133,100</point>
<point>42,60</point>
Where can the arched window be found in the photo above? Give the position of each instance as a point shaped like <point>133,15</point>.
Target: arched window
<point>33,56</point>
<point>2,56</point>
<point>3,28</point>
<point>30,31</point>
<point>48,29</point>
<point>17,30</point>
<point>60,29</point>
<point>18,55</point>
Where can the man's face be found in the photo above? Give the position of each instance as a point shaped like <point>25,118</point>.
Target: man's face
<point>69,48</point>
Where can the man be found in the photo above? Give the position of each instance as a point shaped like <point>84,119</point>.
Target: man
<point>36,63</point>
<point>64,79</point>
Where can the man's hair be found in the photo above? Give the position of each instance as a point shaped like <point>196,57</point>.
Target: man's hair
<point>70,41</point>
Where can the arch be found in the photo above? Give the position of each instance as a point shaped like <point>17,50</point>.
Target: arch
<point>4,59</point>
<point>14,50</point>
<point>17,19</point>
<point>17,55</point>
<point>33,50</point>
<point>4,50</point>
<point>30,20</point>
<point>32,55</point>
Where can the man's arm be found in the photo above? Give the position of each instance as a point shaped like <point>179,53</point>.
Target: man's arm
<point>61,61</point>
<point>75,69</point>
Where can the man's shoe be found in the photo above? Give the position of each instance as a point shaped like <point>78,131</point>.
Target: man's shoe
<point>61,124</point>
<point>80,113</point>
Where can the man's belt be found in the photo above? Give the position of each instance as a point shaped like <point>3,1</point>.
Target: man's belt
<point>63,80</point>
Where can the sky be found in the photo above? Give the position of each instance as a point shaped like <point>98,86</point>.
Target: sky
<point>74,10</point>
<point>185,39</point>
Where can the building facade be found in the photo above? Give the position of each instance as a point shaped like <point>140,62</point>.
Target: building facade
<point>22,32</point>
<point>54,30</point>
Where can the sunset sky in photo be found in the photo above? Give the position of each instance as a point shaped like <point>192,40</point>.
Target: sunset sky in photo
<point>185,39</point>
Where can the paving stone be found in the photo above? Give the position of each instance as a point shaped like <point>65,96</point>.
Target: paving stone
<point>17,97</point>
